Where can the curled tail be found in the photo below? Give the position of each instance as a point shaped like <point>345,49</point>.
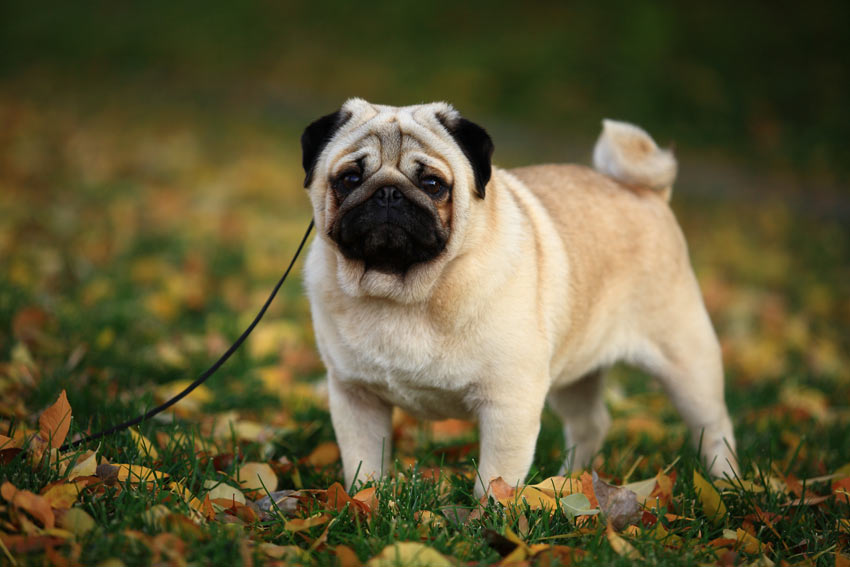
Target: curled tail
<point>628,154</point>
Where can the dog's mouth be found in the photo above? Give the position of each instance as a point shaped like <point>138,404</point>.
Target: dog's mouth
<point>389,238</point>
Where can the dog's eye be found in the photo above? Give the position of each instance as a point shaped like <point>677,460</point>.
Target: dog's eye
<point>433,186</point>
<point>350,181</point>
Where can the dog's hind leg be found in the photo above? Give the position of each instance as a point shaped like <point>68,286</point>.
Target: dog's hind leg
<point>686,359</point>
<point>586,419</point>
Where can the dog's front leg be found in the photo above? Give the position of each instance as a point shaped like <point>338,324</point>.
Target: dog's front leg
<point>363,426</point>
<point>508,432</point>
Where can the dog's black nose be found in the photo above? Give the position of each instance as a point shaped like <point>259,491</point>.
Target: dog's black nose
<point>387,196</point>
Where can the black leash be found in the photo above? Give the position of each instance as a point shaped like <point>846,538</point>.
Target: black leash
<point>209,372</point>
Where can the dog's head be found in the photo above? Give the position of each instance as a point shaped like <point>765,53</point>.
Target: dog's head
<point>391,186</point>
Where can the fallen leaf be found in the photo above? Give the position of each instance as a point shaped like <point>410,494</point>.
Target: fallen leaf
<point>61,494</point>
<point>86,465</point>
<point>621,546</point>
<point>368,497</point>
<point>325,454</point>
<point>338,499</point>
<point>138,473</point>
<point>221,491</point>
<point>300,524</point>
<point>257,476</point>
<point>77,521</point>
<point>409,554</point>
<point>55,421</point>
<point>33,504</point>
<point>285,552</point>
<point>143,444</point>
<point>7,442</point>
<point>577,504</point>
<point>558,486</point>
<point>712,505</point>
<point>346,557</point>
<point>618,504</point>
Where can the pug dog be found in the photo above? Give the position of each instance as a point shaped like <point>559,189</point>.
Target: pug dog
<point>455,289</point>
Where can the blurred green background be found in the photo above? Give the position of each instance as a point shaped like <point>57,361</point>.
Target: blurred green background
<point>762,86</point>
<point>150,161</point>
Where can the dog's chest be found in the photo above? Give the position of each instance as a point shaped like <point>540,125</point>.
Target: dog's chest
<point>400,356</point>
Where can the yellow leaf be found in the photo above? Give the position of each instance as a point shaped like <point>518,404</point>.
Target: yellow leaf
<point>747,542</point>
<point>300,524</point>
<point>62,495</point>
<point>143,445</point>
<point>410,554</point>
<point>138,473</point>
<point>621,546</point>
<point>86,465</point>
<point>712,505</point>
<point>537,499</point>
<point>257,476</point>
<point>77,521</point>
<point>220,490</point>
<point>558,486</point>
<point>188,497</point>
<point>55,421</point>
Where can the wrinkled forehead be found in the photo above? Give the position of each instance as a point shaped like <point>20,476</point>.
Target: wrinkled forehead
<point>391,131</point>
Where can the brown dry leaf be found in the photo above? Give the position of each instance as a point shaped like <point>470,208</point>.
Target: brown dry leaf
<point>619,505</point>
<point>33,504</point>
<point>620,545</point>
<point>325,454</point>
<point>338,498</point>
<point>368,497</point>
<point>500,490</point>
<point>7,442</point>
<point>259,477</point>
<point>410,554</point>
<point>55,421</point>
<point>712,505</point>
<point>301,524</point>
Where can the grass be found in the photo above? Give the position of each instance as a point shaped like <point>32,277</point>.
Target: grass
<point>132,254</point>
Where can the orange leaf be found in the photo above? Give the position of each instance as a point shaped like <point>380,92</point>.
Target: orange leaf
<point>25,500</point>
<point>300,524</point>
<point>337,498</point>
<point>500,490</point>
<point>346,557</point>
<point>323,455</point>
<point>7,442</point>
<point>55,421</point>
<point>367,496</point>
<point>587,489</point>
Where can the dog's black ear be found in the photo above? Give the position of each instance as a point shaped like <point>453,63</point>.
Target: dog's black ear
<point>314,139</point>
<point>476,145</point>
